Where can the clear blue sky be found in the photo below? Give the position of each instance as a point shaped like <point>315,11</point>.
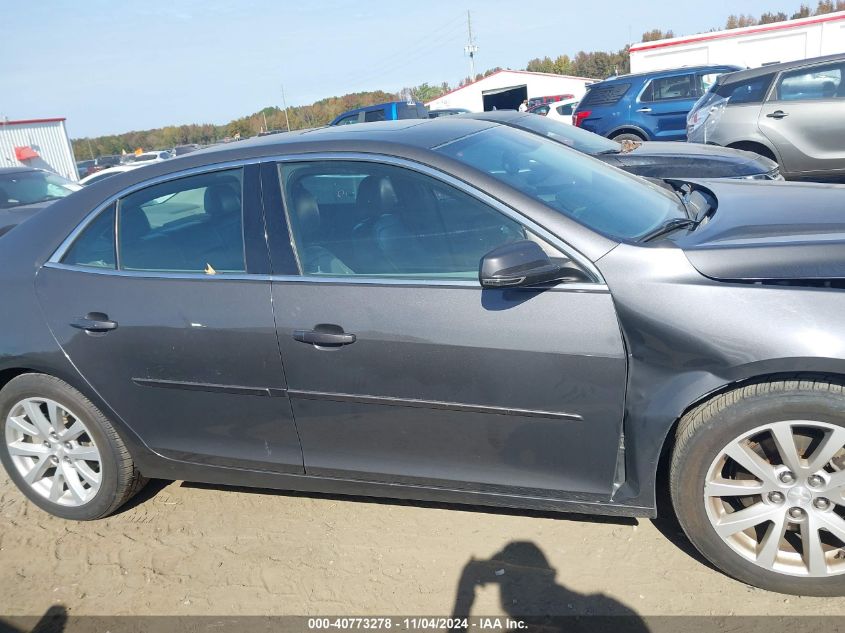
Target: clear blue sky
<point>113,66</point>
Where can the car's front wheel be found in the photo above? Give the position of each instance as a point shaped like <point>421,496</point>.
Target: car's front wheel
<point>758,484</point>
<point>61,451</point>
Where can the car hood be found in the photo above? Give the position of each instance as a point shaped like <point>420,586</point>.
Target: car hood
<point>691,160</point>
<point>770,231</point>
<point>10,218</point>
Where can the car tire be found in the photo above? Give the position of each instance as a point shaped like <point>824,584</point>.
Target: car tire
<point>714,456</point>
<point>61,451</point>
<point>628,136</point>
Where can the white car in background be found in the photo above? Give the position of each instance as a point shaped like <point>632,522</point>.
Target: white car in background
<point>148,157</point>
<point>559,110</point>
<point>108,172</point>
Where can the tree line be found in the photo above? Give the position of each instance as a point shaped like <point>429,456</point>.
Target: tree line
<point>596,65</point>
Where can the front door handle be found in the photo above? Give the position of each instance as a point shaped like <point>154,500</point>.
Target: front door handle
<point>777,114</point>
<point>94,322</point>
<point>644,110</point>
<point>330,338</point>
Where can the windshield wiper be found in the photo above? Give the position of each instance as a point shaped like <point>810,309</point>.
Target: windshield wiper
<point>609,151</point>
<point>667,227</point>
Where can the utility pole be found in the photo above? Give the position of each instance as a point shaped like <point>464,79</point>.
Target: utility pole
<point>470,49</point>
<point>285,104</point>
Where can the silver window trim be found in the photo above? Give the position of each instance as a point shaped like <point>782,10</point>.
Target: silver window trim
<point>55,259</point>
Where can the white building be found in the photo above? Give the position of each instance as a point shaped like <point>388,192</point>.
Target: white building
<point>41,143</point>
<point>506,89</point>
<point>750,46</point>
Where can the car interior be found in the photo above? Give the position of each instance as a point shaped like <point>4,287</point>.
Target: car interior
<point>381,221</point>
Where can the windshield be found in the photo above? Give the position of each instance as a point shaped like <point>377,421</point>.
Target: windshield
<point>571,136</point>
<point>607,200</point>
<point>29,187</point>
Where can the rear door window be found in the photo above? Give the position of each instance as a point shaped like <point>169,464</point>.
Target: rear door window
<point>375,115</point>
<point>191,224</point>
<point>812,84</point>
<point>668,88</point>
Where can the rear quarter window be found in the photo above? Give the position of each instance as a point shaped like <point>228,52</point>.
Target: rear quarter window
<point>750,91</point>
<point>605,95</point>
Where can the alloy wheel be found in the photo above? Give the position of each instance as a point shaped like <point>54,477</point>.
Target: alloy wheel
<point>53,451</point>
<point>776,496</point>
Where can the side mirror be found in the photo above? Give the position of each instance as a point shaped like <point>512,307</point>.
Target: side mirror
<point>516,264</point>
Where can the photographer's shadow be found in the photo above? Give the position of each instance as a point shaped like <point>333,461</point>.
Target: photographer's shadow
<point>528,591</point>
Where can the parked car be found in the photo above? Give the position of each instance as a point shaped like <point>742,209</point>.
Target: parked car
<point>793,113</point>
<point>559,110</point>
<point>108,173</point>
<point>84,167</point>
<point>645,107</point>
<point>651,159</point>
<point>147,157</point>
<point>390,111</point>
<point>466,312</point>
<point>433,114</point>
<point>535,101</point>
<point>24,191</point>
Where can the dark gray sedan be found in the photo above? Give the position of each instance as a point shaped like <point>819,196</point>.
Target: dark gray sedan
<point>448,310</point>
<point>651,159</point>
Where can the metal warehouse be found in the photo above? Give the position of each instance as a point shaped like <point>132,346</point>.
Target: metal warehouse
<point>41,143</point>
<point>506,89</point>
<point>750,46</point>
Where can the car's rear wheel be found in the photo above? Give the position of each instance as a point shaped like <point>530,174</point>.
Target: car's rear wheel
<point>61,451</point>
<point>758,484</point>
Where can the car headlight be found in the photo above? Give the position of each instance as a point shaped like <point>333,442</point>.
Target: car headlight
<point>770,175</point>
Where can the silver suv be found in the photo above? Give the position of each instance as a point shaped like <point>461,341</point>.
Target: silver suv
<point>793,113</point>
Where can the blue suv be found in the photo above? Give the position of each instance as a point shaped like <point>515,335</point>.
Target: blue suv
<point>646,107</point>
<point>390,111</point>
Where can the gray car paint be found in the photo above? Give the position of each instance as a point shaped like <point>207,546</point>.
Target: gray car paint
<point>685,336</point>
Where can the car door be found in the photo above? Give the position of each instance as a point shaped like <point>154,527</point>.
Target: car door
<point>803,118</point>
<point>402,369</point>
<point>172,326</point>
<point>663,105</point>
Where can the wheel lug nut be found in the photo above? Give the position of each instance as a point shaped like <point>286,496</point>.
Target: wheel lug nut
<point>815,481</point>
<point>796,513</point>
<point>54,460</point>
<point>776,497</point>
<point>68,446</point>
<point>821,503</point>
<point>787,477</point>
<point>46,444</point>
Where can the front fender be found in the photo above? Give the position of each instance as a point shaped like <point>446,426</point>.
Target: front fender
<point>690,337</point>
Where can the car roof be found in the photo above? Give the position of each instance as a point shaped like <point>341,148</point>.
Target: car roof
<point>667,72</point>
<point>17,170</point>
<point>751,73</point>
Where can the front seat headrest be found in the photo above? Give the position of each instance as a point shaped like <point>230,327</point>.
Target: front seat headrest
<point>377,194</point>
<point>306,210</point>
<point>221,200</point>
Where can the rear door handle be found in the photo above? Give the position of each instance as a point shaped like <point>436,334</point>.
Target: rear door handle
<point>94,322</point>
<point>777,114</point>
<point>644,110</point>
<point>322,337</point>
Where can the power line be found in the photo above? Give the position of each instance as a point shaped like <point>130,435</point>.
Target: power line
<point>397,64</point>
<point>436,37</point>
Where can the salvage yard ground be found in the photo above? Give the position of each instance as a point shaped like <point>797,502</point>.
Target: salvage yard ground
<point>183,549</point>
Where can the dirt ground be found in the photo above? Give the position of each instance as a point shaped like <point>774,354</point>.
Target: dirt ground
<point>183,549</point>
